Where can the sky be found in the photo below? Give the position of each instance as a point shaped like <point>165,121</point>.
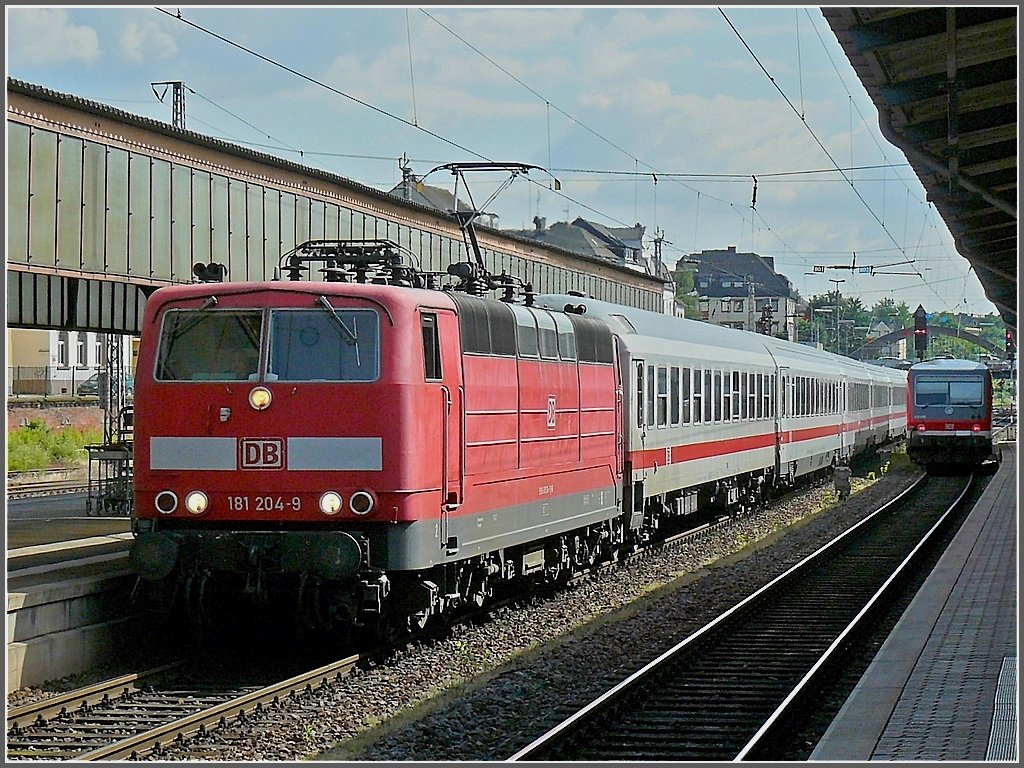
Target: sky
<point>659,115</point>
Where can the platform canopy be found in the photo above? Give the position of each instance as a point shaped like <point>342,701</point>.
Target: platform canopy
<point>944,81</point>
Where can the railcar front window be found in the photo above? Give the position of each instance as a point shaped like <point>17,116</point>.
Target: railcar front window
<point>964,399</point>
<point>209,345</point>
<point>966,393</point>
<point>324,345</point>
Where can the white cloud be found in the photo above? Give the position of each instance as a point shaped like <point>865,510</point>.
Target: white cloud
<point>142,40</point>
<point>47,36</point>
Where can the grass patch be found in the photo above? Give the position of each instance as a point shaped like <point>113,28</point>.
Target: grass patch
<point>36,446</point>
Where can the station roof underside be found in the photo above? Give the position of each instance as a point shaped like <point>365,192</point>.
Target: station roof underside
<point>944,81</point>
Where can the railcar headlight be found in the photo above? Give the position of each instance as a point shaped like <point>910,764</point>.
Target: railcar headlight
<point>259,398</point>
<point>330,503</point>
<point>920,427</point>
<point>166,502</point>
<point>361,503</point>
<point>196,502</point>
<point>976,428</point>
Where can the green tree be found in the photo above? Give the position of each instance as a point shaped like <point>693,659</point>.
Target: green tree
<point>685,293</point>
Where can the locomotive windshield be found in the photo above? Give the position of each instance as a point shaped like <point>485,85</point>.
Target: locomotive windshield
<point>964,397</point>
<point>209,345</point>
<point>324,345</point>
<point>305,345</point>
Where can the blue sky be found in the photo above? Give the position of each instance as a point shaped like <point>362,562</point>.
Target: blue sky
<point>655,115</point>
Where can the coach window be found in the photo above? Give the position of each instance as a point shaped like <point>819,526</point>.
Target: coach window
<point>697,396</point>
<point>548,335</point>
<point>755,380</point>
<point>651,396</point>
<point>685,396</point>
<point>673,391</point>
<point>718,396</point>
<point>727,396</point>
<point>738,397</point>
<point>662,396</point>
<point>709,397</point>
<point>566,337</point>
<point>526,332</point>
<point>757,392</point>
<point>431,348</point>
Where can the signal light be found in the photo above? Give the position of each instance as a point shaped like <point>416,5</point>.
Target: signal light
<point>1011,345</point>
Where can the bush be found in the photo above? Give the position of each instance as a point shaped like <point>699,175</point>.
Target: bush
<point>36,446</point>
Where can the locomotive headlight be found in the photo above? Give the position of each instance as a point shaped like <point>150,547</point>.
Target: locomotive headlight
<point>259,398</point>
<point>166,502</point>
<point>361,503</point>
<point>330,503</point>
<point>196,502</point>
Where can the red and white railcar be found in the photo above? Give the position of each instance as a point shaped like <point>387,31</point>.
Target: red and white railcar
<point>949,414</point>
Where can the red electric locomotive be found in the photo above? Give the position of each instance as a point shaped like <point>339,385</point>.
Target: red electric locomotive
<point>949,414</point>
<point>372,451</point>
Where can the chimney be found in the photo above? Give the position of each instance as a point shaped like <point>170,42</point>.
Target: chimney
<point>539,222</point>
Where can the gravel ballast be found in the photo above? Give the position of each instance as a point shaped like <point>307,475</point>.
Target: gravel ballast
<point>488,689</point>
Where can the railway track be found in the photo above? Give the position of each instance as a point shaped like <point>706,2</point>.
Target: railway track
<point>745,684</point>
<point>19,490</point>
<point>133,715</point>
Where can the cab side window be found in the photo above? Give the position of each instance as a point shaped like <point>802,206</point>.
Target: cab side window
<point>431,348</point>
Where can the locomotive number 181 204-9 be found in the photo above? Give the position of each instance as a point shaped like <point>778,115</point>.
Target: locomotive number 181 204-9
<point>263,503</point>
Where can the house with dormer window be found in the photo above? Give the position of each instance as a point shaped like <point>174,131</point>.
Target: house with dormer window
<point>743,290</point>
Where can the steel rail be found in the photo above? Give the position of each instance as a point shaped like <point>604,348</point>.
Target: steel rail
<point>641,675</point>
<point>53,706</point>
<point>223,712</point>
<point>812,675</point>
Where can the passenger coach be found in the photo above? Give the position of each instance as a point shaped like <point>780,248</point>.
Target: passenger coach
<point>716,415</point>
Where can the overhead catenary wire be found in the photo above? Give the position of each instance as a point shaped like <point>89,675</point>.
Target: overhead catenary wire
<point>699,193</point>
<point>825,149</point>
<point>805,123</point>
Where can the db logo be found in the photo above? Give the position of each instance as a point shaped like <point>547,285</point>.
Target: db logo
<point>261,454</point>
<point>551,411</point>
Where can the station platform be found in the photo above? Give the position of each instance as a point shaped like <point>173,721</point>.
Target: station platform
<point>37,547</point>
<point>943,686</point>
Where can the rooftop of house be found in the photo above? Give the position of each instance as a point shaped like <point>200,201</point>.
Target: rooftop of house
<point>726,272</point>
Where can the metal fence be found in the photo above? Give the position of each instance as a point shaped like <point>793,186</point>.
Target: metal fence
<point>47,380</point>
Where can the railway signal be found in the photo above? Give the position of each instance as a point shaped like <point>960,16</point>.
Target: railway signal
<point>1011,346</point>
<point>920,332</point>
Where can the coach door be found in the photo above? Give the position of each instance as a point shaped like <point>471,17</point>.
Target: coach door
<point>443,376</point>
<point>846,435</point>
<point>783,402</point>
